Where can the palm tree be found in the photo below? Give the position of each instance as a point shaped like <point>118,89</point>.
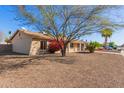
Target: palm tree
<point>107,32</point>
<point>9,33</point>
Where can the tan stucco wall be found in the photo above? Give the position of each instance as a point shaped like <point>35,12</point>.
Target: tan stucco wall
<point>35,47</point>
<point>21,43</point>
<point>75,48</point>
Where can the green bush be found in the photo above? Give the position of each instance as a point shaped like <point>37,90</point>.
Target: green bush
<point>97,44</point>
<point>92,46</point>
<point>113,45</point>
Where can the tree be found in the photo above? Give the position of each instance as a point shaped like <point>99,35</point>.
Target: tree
<point>9,33</point>
<point>64,22</point>
<point>107,32</point>
<point>97,44</point>
<point>7,40</point>
<point>113,45</point>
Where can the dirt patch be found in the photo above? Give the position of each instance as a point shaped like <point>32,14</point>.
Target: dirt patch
<point>75,70</point>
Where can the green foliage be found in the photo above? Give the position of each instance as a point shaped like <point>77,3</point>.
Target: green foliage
<point>7,40</point>
<point>107,32</point>
<point>97,44</point>
<point>92,46</point>
<point>112,44</point>
<point>9,32</point>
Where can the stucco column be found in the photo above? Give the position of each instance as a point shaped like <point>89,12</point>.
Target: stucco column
<point>84,47</point>
<point>47,44</point>
<point>80,47</point>
<point>68,47</point>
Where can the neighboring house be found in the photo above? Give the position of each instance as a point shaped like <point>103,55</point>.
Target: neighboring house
<point>33,43</point>
<point>120,47</point>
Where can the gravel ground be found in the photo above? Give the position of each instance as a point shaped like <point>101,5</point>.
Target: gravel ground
<point>77,70</point>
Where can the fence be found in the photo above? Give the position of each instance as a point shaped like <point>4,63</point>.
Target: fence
<point>5,47</point>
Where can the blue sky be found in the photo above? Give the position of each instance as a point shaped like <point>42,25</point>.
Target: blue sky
<point>7,23</point>
<point>6,20</point>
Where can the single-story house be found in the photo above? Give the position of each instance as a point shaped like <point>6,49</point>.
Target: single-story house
<point>33,43</point>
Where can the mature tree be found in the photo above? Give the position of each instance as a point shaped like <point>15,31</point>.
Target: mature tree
<point>64,23</point>
<point>107,32</point>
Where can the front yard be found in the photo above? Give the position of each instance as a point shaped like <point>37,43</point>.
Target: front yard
<point>75,70</point>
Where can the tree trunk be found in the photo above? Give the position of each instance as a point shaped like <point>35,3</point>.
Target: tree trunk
<point>63,51</point>
<point>106,39</point>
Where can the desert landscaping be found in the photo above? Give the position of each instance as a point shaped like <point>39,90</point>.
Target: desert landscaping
<point>62,46</point>
<point>75,70</point>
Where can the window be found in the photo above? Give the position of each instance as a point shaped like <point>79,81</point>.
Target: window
<point>71,45</point>
<point>78,45</point>
<point>82,46</point>
<point>43,45</point>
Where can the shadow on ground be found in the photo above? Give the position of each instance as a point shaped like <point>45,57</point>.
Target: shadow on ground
<point>62,60</point>
<point>32,60</point>
<point>7,66</point>
<point>84,52</point>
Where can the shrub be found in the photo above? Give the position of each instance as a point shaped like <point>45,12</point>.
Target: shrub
<point>7,40</point>
<point>113,45</point>
<point>91,46</point>
<point>54,46</point>
<point>98,45</point>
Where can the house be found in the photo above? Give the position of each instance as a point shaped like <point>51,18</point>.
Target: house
<point>122,45</point>
<point>33,43</point>
<point>119,48</point>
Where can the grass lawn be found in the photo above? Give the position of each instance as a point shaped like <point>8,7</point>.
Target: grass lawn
<point>75,70</point>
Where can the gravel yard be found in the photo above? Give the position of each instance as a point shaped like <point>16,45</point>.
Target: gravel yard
<point>76,70</point>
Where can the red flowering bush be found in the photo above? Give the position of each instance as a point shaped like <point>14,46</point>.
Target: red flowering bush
<point>54,45</point>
